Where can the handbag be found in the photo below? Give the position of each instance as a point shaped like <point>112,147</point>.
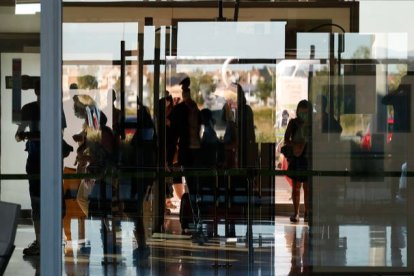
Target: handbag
<point>66,149</point>
<point>287,151</point>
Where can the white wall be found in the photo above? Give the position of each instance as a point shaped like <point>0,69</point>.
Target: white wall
<point>13,156</point>
<point>23,23</point>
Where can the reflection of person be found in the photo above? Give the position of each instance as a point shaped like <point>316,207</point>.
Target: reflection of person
<point>230,138</point>
<point>85,109</point>
<point>95,155</point>
<point>116,116</point>
<point>209,141</point>
<point>143,144</point>
<point>299,247</point>
<point>398,242</point>
<point>297,136</point>
<point>285,118</point>
<point>186,124</point>
<point>246,129</point>
<point>400,100</point>
<point>165,107</point>
<point>328,123</point>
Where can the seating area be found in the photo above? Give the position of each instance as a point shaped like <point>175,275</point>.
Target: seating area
<point>9,214</point>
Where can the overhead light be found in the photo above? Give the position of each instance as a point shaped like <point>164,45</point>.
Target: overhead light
<point>27,7</point>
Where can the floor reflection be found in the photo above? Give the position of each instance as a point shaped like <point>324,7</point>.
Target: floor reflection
<point>279,249</point>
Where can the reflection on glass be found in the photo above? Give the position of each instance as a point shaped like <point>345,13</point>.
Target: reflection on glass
<point>180,155</point>
<point>259,40</point>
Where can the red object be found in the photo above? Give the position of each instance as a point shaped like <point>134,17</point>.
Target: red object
<point>130,131</point>
<point>284,167</point>
<point>366,139</point>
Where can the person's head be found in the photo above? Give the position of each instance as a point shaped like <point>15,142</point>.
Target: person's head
<point>303,110</point>
<point>29,82</point>
<point>73,86</point>
<point>169,101</point>
<point>37,87</point>
<point>80,102</point>
<point>240,94</point>
<point>168,98</point>
<point>185,83</point>
<point>186,94</point>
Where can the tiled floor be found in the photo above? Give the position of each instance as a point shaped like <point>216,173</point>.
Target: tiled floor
<point>279,249</point>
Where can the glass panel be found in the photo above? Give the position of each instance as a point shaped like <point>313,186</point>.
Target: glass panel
<point>234,97</point>
<point>358,156</point>
<point>195,174</point>
<point>100,84</point>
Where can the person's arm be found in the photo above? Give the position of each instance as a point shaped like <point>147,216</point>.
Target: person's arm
<point>32,136</point>
<point>22,135</point>
<point>19,136</point>
<point>297,146</point>
<point>289,133</point>
<point>390,98</point>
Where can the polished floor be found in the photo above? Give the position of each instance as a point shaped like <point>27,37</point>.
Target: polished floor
<point>279,248</point>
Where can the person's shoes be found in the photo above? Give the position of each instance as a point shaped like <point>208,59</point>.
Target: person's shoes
<point>68,250</point>
<point>34,262</point>
<point>33,249</point>
<point>84,250</point>
<point>141,253</point>
<point>186,231</point>
<point>399,199</point>
<point>294,218</point>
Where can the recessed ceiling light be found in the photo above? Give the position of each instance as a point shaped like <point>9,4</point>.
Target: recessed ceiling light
<point>27,8</point>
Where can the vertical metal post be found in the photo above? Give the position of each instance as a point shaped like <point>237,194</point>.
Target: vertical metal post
<point>140,66</point>
<point>331,72</point>
<point>236,11</point>
<point>220,10</point>
<point>310,149</point>
<point>160,115</point>
<point>51,138</point>
<point>340,82</point>
<point>122,89</point>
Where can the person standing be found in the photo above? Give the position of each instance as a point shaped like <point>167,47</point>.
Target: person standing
<point>186,125</point>
<point>297,136</point>
<point>30,120</point>
<point>400,100</point>
<point>28,130</point>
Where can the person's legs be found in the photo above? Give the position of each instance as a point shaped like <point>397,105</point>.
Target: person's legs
<point>139,231</point>
<point>34,190</point>
<point>306,199</point>
<point>66,228</point>
<point>295,200</point>
<point>142,251</point>
<point>187,159</point>
<point>81,229</point>
<point>402,184</point>
<point>34,248</point>
<point>33,169</point>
